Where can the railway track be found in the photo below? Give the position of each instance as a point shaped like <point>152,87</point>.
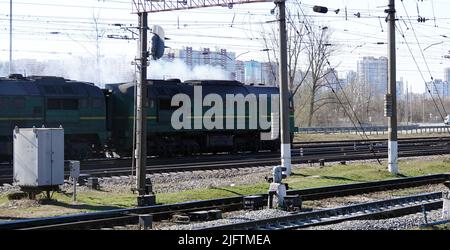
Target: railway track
<point>301,153</point>
<point>369,210</point>
<point>117,217</point>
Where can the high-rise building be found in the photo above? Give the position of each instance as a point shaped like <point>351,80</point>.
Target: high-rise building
<point>372,74</point>
<point>269,74</point>
<point>351,77</point>
<point>438,87</point>
<point>240,71</point>
<point>331,78</point>
<point>447,74</point>
<point>400,89</point>
<point>253,72</point>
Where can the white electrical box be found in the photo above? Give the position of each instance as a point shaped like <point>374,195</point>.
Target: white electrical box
<point>38,156</point>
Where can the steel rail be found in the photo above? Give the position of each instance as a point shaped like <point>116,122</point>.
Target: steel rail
<point>123,216</point>
<point>307,146</point>
<point>266,160</point>
<point>296,145</point>
<point>377,209</point>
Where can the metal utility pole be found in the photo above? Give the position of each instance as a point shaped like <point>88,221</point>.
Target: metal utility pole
<point>140,147</point>
<point>284,91</point>
<point>391,97</point>
<point>142,8</point>
<point>10,37</point>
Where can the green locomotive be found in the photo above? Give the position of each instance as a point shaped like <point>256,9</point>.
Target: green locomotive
<point>79,107</point>
<point>164,140</point>
<point>98,120</point>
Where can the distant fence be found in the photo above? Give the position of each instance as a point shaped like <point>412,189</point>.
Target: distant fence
<point>413,129</point>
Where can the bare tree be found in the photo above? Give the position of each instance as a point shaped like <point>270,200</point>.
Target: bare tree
<point>318,51</point>
<point>295,34</point>
<point>309,49</point>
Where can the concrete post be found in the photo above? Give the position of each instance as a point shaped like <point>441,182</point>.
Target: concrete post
<point>392,130</point>
<point>446,202</point>
<point>74,195</point>
<point>277,190</point>
<point>284,90</point>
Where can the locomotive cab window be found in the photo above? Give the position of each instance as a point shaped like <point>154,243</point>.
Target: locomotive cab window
<point>69,104</point>
<point>62,104</point>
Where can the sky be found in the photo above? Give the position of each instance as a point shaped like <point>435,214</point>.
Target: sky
<point>61,30</point>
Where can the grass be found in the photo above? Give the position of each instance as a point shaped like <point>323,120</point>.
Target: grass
<point>305,177</point>
<point>437,227</point>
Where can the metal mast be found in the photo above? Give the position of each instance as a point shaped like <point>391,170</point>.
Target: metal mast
<point>140,147</point>
<point>284,90</point>
<point>391,97</point>
<point>10,37</point>
<point>142,8</point>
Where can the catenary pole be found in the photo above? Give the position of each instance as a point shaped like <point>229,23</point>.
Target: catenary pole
<point>284,91</point>
<point>392,93</point>
<point>10,38</point>
<point>140,147</point>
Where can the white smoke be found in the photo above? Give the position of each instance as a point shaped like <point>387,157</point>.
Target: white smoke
<point>178,69</point>
<point>109,70</point>
<point>114,70</point>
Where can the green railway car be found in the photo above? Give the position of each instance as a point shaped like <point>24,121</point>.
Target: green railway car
<point>78,107</point>
<point>164,139</point>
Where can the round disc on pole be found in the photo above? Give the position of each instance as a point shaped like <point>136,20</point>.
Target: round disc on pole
<point>157,42</point>
<point>159,31</point>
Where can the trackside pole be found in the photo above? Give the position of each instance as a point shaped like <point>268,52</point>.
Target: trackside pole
<point>145,195</point>
<point>392,92</point>
<point>284,91</point>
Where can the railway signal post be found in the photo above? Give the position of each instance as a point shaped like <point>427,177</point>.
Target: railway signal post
<point>142,8</point>
<point>140,147</point>
<point>143,185</point>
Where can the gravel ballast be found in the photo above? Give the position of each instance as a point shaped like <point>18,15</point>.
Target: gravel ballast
<point>235,217</point>
<point>404,222</point>
<point>412,221</point>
